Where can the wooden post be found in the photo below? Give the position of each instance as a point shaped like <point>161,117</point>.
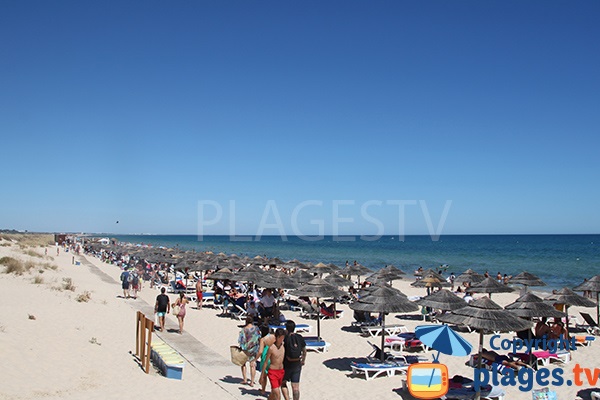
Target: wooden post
<point>150,327</point>
<point>143,340</point>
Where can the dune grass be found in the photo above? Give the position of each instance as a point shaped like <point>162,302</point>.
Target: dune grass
<point>29,239</point>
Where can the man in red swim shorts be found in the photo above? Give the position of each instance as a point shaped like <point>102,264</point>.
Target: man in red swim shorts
<point>276,354</point>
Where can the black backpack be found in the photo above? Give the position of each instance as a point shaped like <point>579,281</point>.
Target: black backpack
<point>293,349</point>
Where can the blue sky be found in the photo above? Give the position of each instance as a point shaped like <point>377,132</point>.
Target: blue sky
<point>142,112</point>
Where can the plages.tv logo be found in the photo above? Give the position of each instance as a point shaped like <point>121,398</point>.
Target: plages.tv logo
<point>430,380</point>
<point>499,374</point>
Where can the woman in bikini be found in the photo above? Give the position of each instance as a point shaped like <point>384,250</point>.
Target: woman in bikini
<point>181,302</point>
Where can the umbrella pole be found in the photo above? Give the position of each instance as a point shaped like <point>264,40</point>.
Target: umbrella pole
<point>382,336</point>
<point>597,307</point>
<point>318,320</point>
<point>478,394</point>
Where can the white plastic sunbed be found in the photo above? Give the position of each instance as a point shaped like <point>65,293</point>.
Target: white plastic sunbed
<point>373,370</point>
<point>389,330</point>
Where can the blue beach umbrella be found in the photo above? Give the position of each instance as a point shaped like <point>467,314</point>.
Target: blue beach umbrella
<point>443,339</point>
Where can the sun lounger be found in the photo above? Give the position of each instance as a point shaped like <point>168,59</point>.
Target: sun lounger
<point>320,346</point>
<point>300,328</point>
<point>544,358</point>
<point>389,330</point>
<point>373,370</point>
<point>584,340</point>
<point>590,325</point>
<point>375,355</point>
<point>327,314</point>
<point>238,312</point>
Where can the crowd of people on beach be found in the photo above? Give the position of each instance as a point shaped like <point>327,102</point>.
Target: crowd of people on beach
<point>275,354</point>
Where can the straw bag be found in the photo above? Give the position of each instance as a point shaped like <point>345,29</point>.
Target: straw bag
<point>238,356</point>
<point>175,309</point>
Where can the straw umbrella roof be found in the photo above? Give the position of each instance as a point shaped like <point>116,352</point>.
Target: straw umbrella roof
<point>223,273</point>
<point>393,269</point>
<point>490,285</point>
<point>302,276</point>
<point>321,268</point>
<point>442,300</point>
<point>529,306</point>
<point>431,272</point>
<point>430,281</point>
<point>484,314</point>
<point>355,270</point>
<point>317,287</point>
<point>384,299</point>
<point>568,297</point>
<point>383,276</point>
<point>469,276</point>
<point>251,273</point>
<point>277,279</point>
<point>527,279</point>
<point>337,280</point>
<point>592,285</point>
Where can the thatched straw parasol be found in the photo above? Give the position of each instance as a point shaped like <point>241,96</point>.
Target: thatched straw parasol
<point>592,285</point>
<point>338,281</point>
<point>383,300</point>
<point>443,300</point>
<point>469,276</point>
<point>490,285</point>
<point>302,276</point>
<point>568,298</point>
<point>526,279</point>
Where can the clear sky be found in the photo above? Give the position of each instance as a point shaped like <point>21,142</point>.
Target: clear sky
<point>151,112</point>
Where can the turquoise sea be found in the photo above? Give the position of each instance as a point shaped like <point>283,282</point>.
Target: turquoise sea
<point>559,260</point>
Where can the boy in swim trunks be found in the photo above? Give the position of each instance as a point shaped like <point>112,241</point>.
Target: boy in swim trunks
<point>275,355</point>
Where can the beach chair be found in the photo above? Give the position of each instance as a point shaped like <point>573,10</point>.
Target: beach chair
<point>238,312</point>
<point>372,370</point>
<point>389,330</point>
<point>487,364</point>
<point>300,328</point>
<point>544,358</point>
<point>375,355</point>
<point>584,340</point>
<point>590,325</point>
<point>327,314</point>
<point>307,310</point>
<point>320,346</point>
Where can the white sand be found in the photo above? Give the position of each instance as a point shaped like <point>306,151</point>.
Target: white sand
<point>75,350</point>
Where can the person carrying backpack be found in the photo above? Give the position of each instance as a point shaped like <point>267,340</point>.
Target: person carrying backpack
<point>295,356</point>
<point>125,280</point>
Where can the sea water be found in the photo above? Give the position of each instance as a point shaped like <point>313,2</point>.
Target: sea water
<point>559,260</point>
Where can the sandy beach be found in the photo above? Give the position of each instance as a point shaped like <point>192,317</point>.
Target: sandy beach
<point>67,333</point>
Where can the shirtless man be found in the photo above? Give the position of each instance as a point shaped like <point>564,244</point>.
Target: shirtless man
<point>275,355</point>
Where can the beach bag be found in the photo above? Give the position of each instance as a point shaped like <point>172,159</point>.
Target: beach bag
<point>156,319</point>
<point>238,356</point>
<point>175,309</point>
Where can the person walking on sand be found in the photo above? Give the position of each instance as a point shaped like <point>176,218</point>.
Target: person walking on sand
<point>267,340</point>
<point>162,307</point>
<point>248,340</point>
<point>199,294</point>
<point>274,358</point>
<point>295,356</point>
<point>125,281</point>
<point>181,302</point>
